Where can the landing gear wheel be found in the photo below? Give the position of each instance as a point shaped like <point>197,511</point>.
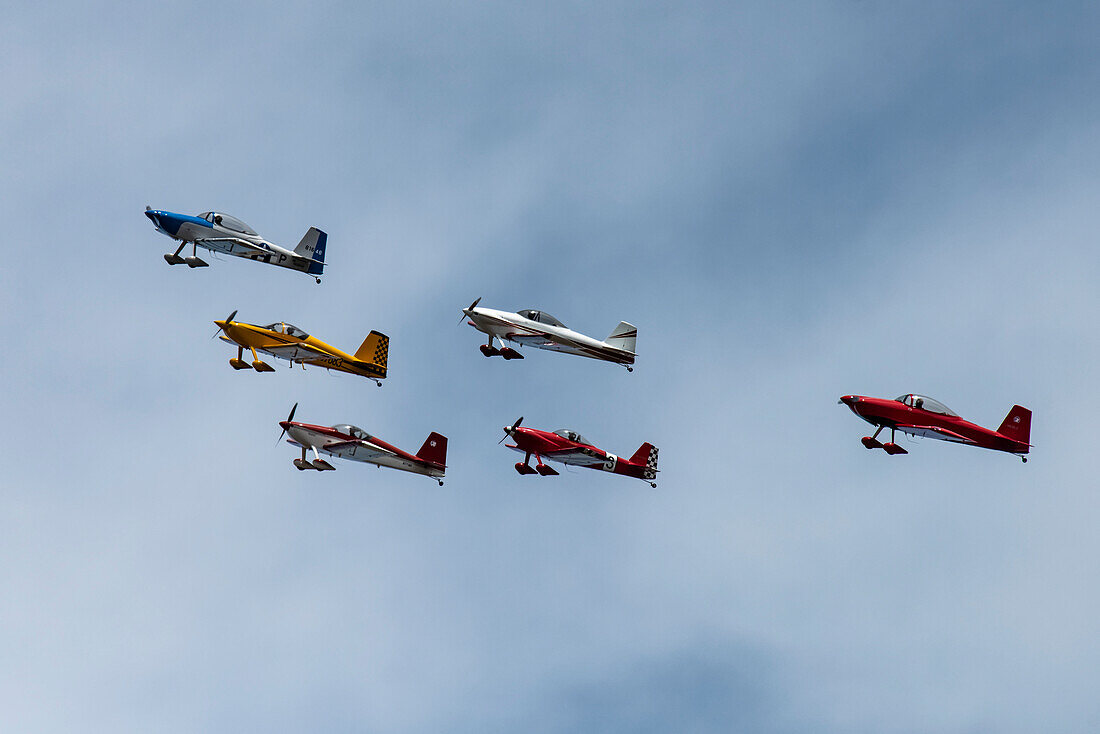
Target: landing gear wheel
<point>653,484</point>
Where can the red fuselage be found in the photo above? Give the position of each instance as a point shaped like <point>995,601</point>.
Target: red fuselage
<point>548,445</point>
<point>913,419</point>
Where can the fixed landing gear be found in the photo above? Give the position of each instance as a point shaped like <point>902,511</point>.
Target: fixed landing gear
<point>440,482</point>
<point>490,350</point>
<point>318,463</point>
<point>524,467</point>
<point>173,258</point>
<point>653,484</point>
<point>890,447</point>
<point>629,368</point>
<point>193,261</point>
<point>1023,459</point>
<point>237,363</point>
<point>318,281</point>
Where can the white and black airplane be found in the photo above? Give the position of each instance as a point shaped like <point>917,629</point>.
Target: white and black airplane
<point>219,232</point>
<point>351,442</point>
<point>539,329</point>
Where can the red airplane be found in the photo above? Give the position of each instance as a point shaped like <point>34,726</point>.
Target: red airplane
<point>923,416</point>
<point>570,447</point>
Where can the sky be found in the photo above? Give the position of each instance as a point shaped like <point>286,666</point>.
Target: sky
<point>792,202</point>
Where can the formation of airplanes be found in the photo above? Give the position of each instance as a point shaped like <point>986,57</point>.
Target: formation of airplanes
<point>912,414</point>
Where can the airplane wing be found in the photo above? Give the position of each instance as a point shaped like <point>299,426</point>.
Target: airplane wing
<point>232,240</point>
<point>559,343</point>
<point>942,434</point>
<point>295,352</point>
<point>354,450</point>
<point>578,456</point>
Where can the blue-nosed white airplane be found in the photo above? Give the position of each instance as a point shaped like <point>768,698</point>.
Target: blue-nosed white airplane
<point>220,232</point>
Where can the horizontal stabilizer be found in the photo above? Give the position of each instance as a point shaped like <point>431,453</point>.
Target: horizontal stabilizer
<point>623,337</point>
<point>434,450</point>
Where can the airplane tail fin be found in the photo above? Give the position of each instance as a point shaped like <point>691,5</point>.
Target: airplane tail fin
<point>646,454</point>
<point>312,247</point>
<point>1017,424</point>
<point>375,349</point>
<point>434,450</point>
<point>623,337</point>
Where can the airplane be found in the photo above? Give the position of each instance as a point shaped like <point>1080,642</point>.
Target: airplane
<point>288,342</point>
<point>920,415</point>
<point>539,329</point>
<point>220,232</point>
<point>351,442</point>
<point>569,447</point>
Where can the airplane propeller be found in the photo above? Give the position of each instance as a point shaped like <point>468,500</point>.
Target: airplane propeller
<point>471,308</point>
<point>229,319</point>
<point>509,430</point>
<point>289,418</point>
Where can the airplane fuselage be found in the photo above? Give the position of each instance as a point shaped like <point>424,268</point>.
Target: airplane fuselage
<point>551,446</point>
<point>241,242</point>
<point>371,450</point>
<point>911,420</point>
<point>251,336</point>
<point>508,326</point>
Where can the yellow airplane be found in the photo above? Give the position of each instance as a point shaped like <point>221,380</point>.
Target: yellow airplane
<point>288,342</point>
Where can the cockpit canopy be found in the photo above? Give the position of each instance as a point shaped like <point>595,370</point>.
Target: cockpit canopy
<point>288,329</point>
<point>540,316</point>
<point>573,436</point>
<point>224,220</point>
<point>350,430</point>
<point>923,402</point>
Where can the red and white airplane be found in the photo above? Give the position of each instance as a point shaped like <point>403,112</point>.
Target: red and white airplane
<point>922,416</point>
<point>570,447</point>
<point>351,442</point>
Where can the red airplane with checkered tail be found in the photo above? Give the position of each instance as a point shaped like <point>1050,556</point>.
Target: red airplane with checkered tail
<point>919,415</point>
<point>569,447</point>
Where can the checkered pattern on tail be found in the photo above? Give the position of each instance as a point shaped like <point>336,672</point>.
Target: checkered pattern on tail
<point>650,471</point>
<point>375,350</point>
<point>382,351</point>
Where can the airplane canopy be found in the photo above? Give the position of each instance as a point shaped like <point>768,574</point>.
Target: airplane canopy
<point>288,329</point>
<point>924,402</point>
<point>224,220</point>
<point>541,316</point>
<point>352,431</point>
<point>573,436</point>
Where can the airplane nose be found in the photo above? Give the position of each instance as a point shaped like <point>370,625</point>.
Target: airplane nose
<point>165,221</point>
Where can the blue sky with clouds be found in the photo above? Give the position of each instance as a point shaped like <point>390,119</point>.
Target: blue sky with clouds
<point>792,202</point>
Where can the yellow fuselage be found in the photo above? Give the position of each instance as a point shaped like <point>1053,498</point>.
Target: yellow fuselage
<point>310,350</point>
